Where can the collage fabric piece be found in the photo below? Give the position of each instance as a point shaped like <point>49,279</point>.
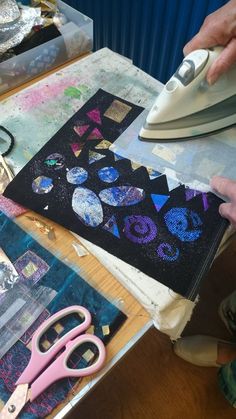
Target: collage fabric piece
<point>133,212</point>
<point>7,205</point>
<point>11,208</point>
<point>41,269</point>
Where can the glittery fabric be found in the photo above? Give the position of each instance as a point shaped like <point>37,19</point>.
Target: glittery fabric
<point>7,205</point>
<point>140,229</point>
<point>55,161</point>
<point>95,116</point>
<point>69,289</point>
<point>42,184</point>
<point>117,111</point>
<point>31,267</point>
<point>4,179</point>
<point>27,336</point>
<point>119,196</point>
<point>94,156</point>
<point>184,224</point>
<point>167,252</point>
<point>108,174</point>
<point>80,129</point>
<point>162,228</point>
<point>8,275</point>
<point>9,11</point>
<point>10,208</point>
<point>14,28</point>
<point>87,207</point>
<point>77,175</point>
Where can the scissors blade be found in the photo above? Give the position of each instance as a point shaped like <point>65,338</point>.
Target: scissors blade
<point>16,402</point>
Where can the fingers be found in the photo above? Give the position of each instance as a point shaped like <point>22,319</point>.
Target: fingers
<point>211,34</point>
<point>227,188</point>
<point>223,63</point>
<point>228,211</point>
<point>201,40</point>
<point>218,29</point>
<point>224,187</point>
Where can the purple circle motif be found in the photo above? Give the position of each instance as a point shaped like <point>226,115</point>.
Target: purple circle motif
<point>166,252</point>
<point>140,229</point>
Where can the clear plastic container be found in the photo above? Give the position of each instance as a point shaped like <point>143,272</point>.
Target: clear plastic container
<point>76,39</point>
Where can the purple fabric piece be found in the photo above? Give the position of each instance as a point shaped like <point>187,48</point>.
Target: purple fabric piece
<point>31,267</point>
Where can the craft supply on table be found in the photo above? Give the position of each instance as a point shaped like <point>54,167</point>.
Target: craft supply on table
<point>43,227</point>
<point>10,208</point>
<point>80,250</point>
<point>7,142</point>
<point>39,36</point>
<point>48,104</point>
<point>167,231</point>
<point>193,163</point>
<point>20,304</point>
<point>30,261</point>
<point>35,378</point>
<point>15,23</point>
<point>23,27</point>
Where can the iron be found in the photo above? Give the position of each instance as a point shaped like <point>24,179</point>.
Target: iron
<point>188,106</point>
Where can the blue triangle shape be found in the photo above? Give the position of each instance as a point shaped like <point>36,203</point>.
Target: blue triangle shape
<point>159,200</point>
<point>118,157</point>
<point>112,227</point>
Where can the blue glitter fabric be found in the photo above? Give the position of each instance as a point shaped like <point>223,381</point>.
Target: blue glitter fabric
<point>184,224</point>
<point>108,174</point>
<point>71,290</point>
<point>169,233</point>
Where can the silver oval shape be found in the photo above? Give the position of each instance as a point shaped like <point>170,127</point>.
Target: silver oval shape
<point>122,196</point>
<point>42,184</point>
<point>87,207</point>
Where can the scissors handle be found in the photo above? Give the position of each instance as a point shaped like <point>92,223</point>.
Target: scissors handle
<point>59,369</point>
<point>40,359</point>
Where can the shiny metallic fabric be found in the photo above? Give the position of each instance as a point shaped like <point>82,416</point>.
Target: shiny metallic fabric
<point>9,11</point>
<point>13,32</point>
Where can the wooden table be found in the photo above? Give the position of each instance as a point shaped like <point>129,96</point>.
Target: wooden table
<point>138,321</point>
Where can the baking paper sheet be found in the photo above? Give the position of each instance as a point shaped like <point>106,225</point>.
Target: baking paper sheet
<point>192,162</point>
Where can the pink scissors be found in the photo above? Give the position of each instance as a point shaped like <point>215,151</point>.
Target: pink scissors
<point>35,378</point>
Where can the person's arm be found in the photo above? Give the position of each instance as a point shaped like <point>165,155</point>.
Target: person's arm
<point>219,28</point>
<point>227,188</point>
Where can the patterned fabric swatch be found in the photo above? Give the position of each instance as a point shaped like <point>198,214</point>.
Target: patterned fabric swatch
<point>11,208</point>
<point>164,229</point>
<point>69,289</point>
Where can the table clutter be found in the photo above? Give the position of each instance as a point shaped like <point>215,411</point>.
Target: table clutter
<point>168,232</point>
<point>34,285</point>
<point>37,36</point>
<point>35,378</point>
<point>49,104</point>
<point>157,236</point>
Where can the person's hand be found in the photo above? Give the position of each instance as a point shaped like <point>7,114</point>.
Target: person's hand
<point>227,188</point>
<point>219,28</point>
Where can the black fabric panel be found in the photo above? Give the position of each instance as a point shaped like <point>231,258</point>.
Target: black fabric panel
<point>187,259</point>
